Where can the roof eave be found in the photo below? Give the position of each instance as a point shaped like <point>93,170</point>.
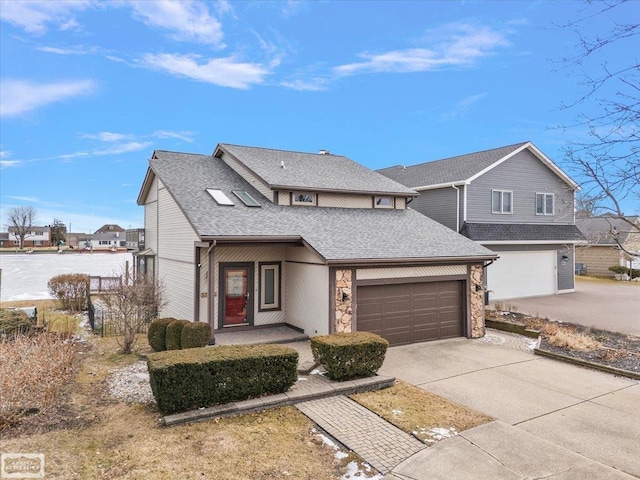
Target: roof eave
<point>146,185</point>
<point>411,260</point>
<point>337,190</point>
<point>528,242</point>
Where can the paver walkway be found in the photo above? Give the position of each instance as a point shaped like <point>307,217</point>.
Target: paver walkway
<point>381,444</point>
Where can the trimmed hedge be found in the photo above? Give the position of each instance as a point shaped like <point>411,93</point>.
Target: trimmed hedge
<point>14,322</point>
<point>635,272</point>
<point>202,377</point>
<point>157,333</point>
<point>195,334</point>
<point>174,334</point>
<point>349,355</point>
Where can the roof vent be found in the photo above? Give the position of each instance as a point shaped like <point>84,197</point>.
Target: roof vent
<point>282,164</point>
<point>324,152</point>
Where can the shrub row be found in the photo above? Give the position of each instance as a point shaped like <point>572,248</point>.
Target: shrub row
<point>349,355</point>
<point>201,377</point>
<point>635,272</point>
<point>71,289</point>
<point>172,334</point>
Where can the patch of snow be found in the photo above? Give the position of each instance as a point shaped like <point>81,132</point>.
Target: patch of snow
<point>302,379</point>
<point>354,469</point>
<point>436,434</point>
<point>315,371</point>
<point>533,343</point>
<point>396,412</point>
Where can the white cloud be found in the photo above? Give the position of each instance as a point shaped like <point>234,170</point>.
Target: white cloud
<point>184,136</point>
<point>462,107</point>
<point>20,96</point>
<point>23,199</point>
<point>108,136</point>
<point>76,50</point>
<point>455,45</point>
<point>36,16</point>
<point>190,21</point>
<point>313,85</point>
<point>118,149</point>
<point>9,163</point>
<point>224,72</point>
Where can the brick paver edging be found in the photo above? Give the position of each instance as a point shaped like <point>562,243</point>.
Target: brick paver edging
<point>378,442</point>
<point>307,388</point>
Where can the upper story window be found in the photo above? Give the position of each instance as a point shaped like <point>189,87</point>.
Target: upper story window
<point>382,202</point>
<point>544,203</point>
<point>501,201</point>
<point>303,198</point>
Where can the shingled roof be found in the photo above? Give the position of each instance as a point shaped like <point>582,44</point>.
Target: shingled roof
<point>337,234</point>
<point>464,168</point>
<point>510,232</point>
<point>607,230</point>
<point>313,171</point>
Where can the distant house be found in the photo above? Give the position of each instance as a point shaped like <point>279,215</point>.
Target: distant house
<point>135,239</point>
<point>513,200</point>
<point>108,237</point>
<point>604,236</point>
<point>36,237</point>
<point>251,237</point>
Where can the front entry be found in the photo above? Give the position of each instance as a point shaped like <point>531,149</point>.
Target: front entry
<point>236,294</point>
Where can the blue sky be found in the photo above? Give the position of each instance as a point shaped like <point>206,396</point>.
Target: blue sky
<point>89,89</point>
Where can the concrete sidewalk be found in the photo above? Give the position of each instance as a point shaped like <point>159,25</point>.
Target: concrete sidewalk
<point>551,417</point>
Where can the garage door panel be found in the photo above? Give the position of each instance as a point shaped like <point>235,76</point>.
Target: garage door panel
<point>414,312</point>
<point>522,274</point>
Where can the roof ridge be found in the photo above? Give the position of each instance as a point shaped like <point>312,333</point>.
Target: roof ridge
<point>281,150</point>
<point>515,145</point>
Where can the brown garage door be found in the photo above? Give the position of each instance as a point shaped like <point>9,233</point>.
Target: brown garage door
<point>411,312</point>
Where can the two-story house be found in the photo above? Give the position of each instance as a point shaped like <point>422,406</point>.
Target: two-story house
<point>513,200</point>
<point>109,237</point>
<point>35,237</point>
<point>252,237</point>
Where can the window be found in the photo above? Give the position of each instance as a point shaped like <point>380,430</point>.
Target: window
<point>269,286</point>
<point>304,198</point>
<point>220,197</point>
<point>39,233</point>
<point>544,203</point>
<point>382,202</point>
<point>247,199</point>
<point>501,201</point>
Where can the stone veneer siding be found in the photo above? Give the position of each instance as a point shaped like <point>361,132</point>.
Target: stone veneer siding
<point>477,301</point>
<point>344,311</point>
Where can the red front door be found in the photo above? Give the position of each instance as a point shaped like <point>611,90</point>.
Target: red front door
<point>236,289</point>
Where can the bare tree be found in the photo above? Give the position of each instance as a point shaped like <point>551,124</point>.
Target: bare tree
<point>131,304</point>
<point>608,160</point>
<point>21,220</point>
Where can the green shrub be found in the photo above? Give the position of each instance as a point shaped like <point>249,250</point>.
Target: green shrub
<point>195,334</point>
<point>202,377</point>
<point>349,355</point>
<point>157,333</point>
<point>71,289</point>
<point>14,322</point>
<point>635,272</point>
<point>174,334</point>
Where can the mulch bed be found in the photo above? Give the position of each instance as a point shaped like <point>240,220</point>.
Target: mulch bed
<point>618,350</point>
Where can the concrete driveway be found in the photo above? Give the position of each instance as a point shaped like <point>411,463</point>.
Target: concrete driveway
<point>553,420</point>
<point>607,305</point>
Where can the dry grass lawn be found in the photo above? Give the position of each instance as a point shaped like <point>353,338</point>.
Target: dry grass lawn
<point>421,413</point>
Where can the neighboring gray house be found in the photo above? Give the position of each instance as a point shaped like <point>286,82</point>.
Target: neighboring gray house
<point>604,236</point>
<point>252,237</point>
<point>513,200</point>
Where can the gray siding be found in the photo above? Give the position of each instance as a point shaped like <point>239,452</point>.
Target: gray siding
<point>566,268</point>
<point>175,257</point>
<point>440,205</point>
<point>524,175</point>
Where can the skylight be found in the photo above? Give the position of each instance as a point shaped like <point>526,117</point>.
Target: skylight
<point>219,196</point>
<point>247,199</point>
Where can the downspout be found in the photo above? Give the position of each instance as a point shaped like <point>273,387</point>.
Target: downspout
<point>210,295</point>
<point>464,200</point>
<point>457,207</point>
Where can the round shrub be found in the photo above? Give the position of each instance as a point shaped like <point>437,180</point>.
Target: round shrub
<point>14,322</point>
<point>71,289</point>
<point>174,334</point>
<point>157,333</point>
<point>195,334</point>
